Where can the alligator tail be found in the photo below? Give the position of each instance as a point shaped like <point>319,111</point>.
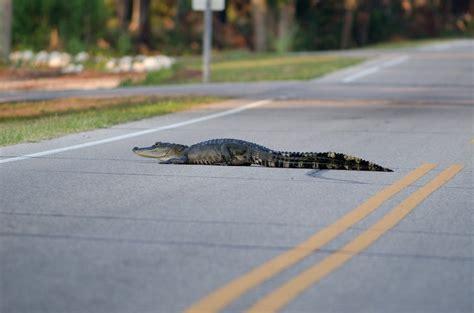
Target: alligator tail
<point>322,160</point>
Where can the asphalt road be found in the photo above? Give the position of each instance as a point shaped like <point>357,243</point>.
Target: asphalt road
<point>86,226</point>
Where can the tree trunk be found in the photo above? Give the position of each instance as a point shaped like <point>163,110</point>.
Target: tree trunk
<point>349,7</point>
<point>54,39</point>
<point>5,28</point>
<point>285,24</point>
<point>180,12</point>
<point>123,11</point>
<point>222,15</point>
<point>363,21</point>
<point>139,25</point>
<point>259,11</point>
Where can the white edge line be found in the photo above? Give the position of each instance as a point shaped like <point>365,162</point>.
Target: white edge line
<point>375,69</point>
<point>139,133</point>
<point>360,74</point>
<point>396,61</point>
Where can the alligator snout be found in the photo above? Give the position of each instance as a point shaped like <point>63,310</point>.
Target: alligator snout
<point>135,148</point>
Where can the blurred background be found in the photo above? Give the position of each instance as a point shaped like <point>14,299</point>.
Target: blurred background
<point>127,38</point>
<point>172,27</point>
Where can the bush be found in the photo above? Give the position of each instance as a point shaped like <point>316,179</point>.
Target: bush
<point>79,23</point>
<point>124,44</point>
<point>74,45</point>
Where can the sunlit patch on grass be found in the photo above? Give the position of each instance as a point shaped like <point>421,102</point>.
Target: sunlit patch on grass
<point>251,67</point>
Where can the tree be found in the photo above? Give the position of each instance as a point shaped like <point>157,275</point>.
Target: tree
<point>285,24</point>
<point>349,7</point>
<point>122,8</point>
<point>140,23</point>
<point>74,25</point>
<point>259,11</point>
<point>363,21</point>
<point>5,27</point>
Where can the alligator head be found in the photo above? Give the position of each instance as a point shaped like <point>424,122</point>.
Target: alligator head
<point>161,150</point>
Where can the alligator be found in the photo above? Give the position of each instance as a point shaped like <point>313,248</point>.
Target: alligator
<point>244,153</point>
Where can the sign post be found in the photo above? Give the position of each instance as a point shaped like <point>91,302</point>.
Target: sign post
<point>207,6</point>
<point>207,38</point>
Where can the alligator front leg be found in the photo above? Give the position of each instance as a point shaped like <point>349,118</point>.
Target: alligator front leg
<point>180,160</point>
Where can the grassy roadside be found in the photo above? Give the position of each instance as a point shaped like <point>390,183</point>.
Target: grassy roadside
<point>245,66</point>
<point>408,43</point>
<point>238,65</point>
<point>33,121</point>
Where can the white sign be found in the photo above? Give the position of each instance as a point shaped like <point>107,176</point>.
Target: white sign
<point>216,5</point>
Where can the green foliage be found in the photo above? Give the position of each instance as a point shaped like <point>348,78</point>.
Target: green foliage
<point>285,43</point>
<point>470,28</point>
<point>319,25</point>
<point>124,43</point>
<point>74,45</point>
<point>79,23</point>
<point>174,28</point>
<point>30,28</point>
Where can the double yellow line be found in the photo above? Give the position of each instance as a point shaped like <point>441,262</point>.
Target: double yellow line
<point>277,299</point>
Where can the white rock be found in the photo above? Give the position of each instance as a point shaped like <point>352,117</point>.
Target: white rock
<point>152,64</point>
<point>41,58</point>
<point>73,69</point>
<point>27,55</point>
<point>68,69</point>
<point>110,64</point>
<point>139,58</point>
<point>58,59</point>
<point>125,64</point>
<point>124,67</point>
<point>126,59</point>
<point>15,57</point>
<point>66,58</point>
<point>138,67</point>
<point>166,61</point>
<point>54,59</point>
<point>81,57</point>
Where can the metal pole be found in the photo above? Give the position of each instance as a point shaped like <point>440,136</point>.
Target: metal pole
<point>5,28</point>
<point>207,38</point>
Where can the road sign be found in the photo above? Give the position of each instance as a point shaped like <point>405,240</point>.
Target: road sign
<point>216,5</point>
<point>207,6</point>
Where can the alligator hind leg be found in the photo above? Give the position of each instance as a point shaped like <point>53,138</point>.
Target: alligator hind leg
<point>235,154</point>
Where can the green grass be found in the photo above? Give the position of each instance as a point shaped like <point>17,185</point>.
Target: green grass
<point>245,66</point>
<point>27,125</point>
<point>407,43</point>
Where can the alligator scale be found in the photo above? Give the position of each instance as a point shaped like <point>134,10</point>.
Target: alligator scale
<point>243,153</point>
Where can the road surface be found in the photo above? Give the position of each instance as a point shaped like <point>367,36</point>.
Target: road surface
<point>87,226</point>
